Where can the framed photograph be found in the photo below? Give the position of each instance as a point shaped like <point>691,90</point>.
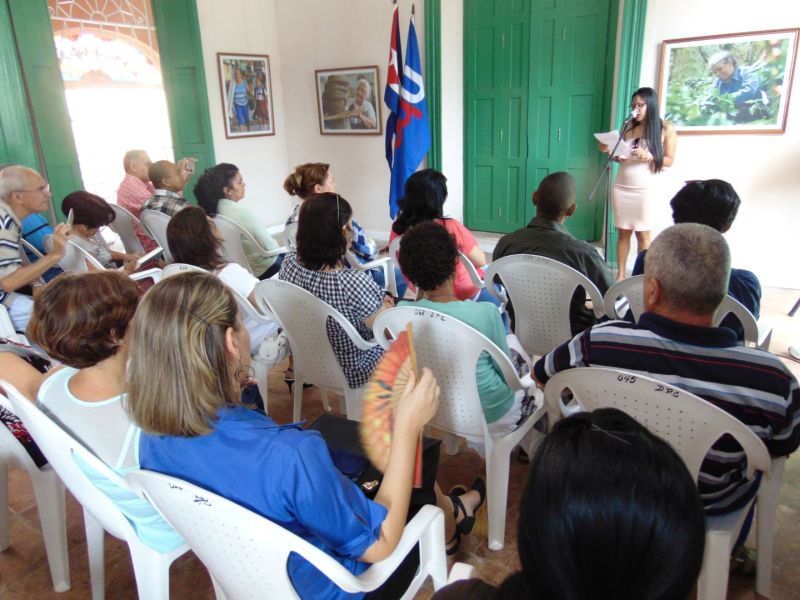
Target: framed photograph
<point>245,83</point>
<point>732,83</point>
<point>348,102</point>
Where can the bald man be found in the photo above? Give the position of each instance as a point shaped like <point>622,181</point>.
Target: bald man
<point>136,189</point>
<point>23,192</point>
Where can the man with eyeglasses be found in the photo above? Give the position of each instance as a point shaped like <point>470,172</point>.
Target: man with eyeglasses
<point>23,192</point>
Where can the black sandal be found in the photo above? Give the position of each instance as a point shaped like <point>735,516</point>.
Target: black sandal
<point>457,505</point>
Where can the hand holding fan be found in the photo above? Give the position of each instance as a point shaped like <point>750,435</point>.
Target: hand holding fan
<point>380,399</point>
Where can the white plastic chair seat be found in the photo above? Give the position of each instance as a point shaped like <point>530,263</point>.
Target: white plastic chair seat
<point>451,349</point>
<point>246,553</point>
<point>49,493</point>
<point>691,425</point>
<point>304,319</point>
<point>232,249</point>
<point>99,512</point>
<point>155,224</point>
<point>541,291</point>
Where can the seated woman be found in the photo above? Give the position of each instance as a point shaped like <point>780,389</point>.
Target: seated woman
<point>425,194</point>
<point>193,239</point>
<point>82,319</point>
<point>219,190</point>
<point>90,213</point>
<point>324,232</point>
<point>609,512</point>
<point>428,257</point>
<point>316,178</point>
<point>195,428</point>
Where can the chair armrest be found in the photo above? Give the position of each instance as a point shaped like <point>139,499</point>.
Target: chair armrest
<point>378,262</point>
<point>459,572</point>
<point>764,335</point>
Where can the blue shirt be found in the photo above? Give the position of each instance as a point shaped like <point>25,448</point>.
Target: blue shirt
<point>284,473</point>
<point>743,85</point>
<point>34,229</point>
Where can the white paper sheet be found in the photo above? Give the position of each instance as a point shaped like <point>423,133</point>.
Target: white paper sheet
<point>610,139</point>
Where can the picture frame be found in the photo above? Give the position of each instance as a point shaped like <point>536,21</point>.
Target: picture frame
<point>730,83</point>
<point>342,107</point>
<point>256,117</point>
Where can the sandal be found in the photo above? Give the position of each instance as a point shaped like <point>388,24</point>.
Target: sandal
<point>457,506</point>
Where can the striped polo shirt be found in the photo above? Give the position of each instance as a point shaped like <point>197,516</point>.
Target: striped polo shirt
<point>752,385</point>
<point>9,245</point>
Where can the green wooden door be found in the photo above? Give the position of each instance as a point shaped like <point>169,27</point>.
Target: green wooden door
<point>37,110</point>
<point>45,95</point>
<point>496,96</point>
<point>563,85</point>
<point>568,89</point>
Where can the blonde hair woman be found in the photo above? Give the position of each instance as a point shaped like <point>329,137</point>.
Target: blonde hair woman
<point>187,404</point>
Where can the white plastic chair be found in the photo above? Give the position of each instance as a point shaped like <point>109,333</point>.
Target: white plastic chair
<point>756,333</point>
<point>303,317</point>
<point>451,350</point>
<point>26,260</point>
<point>290,235</point>
<point>627,294</point>
<point>100,514</point>
<point>232,249</point>
<point>75,259</point>
<point>246,554</point>
<point>691,425</point>
<point>541,291</point>
<point>155,224</point>
<point>123,226</point>
<point>49,493</point>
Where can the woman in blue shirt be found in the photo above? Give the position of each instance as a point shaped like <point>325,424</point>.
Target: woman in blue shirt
<point>195,428</point>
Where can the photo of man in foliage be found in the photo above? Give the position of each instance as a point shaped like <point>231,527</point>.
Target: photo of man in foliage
<point>736,83</point>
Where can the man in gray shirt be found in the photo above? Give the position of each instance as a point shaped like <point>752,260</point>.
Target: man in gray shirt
<point>546,236</point>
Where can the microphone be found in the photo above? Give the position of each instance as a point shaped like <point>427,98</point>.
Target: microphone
<point>633,115</point>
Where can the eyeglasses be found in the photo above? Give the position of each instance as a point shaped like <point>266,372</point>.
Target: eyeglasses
<point>42,189</point>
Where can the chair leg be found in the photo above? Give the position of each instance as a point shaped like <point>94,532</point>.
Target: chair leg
<point>261,373</point>
<point>49,492</point>
<point>95,546</point>
<point>713,581</point>
<point>766,505</point>
<point>152,572</point>
<point>352,401</point>
<point>323,393</point>
<point>5,541</point>
<point>218,591</point>
<point>497,494</point>
<point>451,444</point>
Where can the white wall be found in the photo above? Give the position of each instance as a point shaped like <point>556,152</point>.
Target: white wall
<point>248,27</point>
<point>328,34</point>
<point>764,169</point>
<point>452,56</point>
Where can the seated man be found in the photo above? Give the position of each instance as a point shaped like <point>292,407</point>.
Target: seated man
<point>35,228</point>
<point>546,236</point>
<point>136,189</point>
<point>686,275</point>
<point>23,192</point>
<point>714,202</point>
<point>169,181</point>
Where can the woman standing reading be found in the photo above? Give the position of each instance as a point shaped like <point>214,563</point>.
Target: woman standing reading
<point>632,199</point>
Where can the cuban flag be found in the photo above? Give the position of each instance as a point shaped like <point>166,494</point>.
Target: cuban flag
<point>413,136</point>
<point>391,95</point>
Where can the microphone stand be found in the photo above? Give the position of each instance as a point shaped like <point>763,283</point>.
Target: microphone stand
<point>606,172</point>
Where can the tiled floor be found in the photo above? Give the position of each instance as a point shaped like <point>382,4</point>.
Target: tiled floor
<point>24,572</point>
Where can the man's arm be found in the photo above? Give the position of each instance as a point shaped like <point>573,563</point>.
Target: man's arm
<point>749,90</point>
<point>29,273</point>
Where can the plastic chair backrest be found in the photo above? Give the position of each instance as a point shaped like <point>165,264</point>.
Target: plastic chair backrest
<point>175,268</point>
<point>61,449</point>
<point>155,222</point>
<point>730,305</point>
<point>471,269</point>
<point>11,450</point>
<point>232,249</point>
<point>540,290</point>
<point>449,348</point>
<point>123,226</point>
<point>630,289</point>
<point>290,235</point>
<point>75,258</point>
<point>246,553</point>
<point>689,423</point>
<point>6,326</point>
<point>26,245</point>
<point>394,253</point>
<point>303,317</point>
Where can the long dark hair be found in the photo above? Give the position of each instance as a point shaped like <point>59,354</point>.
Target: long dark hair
<point>609,512</point>
<point>423,199</point>
<point>210,186</point>
<point>653,125</point>
<point>192,241</point>
<point>320,240</point>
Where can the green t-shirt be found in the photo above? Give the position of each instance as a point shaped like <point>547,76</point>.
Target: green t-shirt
<point>496,397</point>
